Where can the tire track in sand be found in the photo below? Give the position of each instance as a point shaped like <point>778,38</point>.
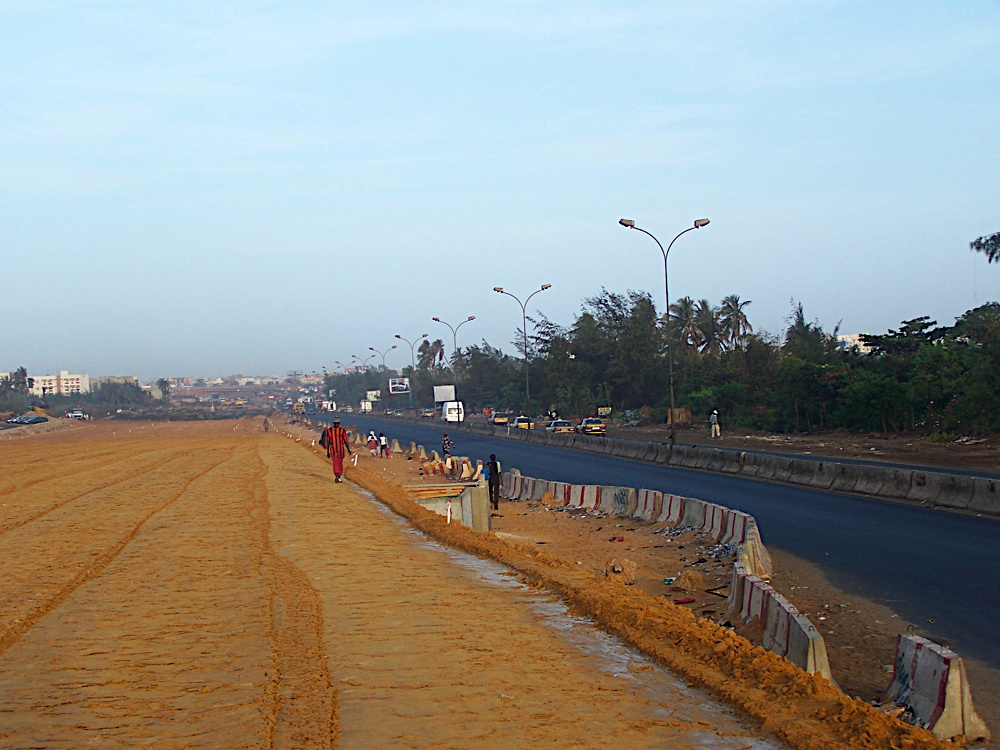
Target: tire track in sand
<point>28,619</point>
<point>305,701</point>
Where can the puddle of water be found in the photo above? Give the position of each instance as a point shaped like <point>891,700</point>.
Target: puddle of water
<point>613,656</point>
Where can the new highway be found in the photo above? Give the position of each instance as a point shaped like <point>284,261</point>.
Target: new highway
<point>924,564</point>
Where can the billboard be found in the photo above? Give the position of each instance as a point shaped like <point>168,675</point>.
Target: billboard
<point>444,393</point>
<point>373,396</point>
<point>399,385</point>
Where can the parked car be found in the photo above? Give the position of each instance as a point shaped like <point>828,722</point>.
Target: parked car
<point>523,423</point>
<point>500,417</point>
<point>592,426</point>
<point>428,413</point>
<point>560,426</point>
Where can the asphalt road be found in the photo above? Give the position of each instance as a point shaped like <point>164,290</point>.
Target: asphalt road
<point>924,564</point>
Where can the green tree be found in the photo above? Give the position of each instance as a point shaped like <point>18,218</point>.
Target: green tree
<point>735,324</point>
<point>989,245</point>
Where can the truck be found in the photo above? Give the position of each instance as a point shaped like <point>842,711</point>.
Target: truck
<point>453,411</point>
<point>366,406</point>
<point>298,408</point>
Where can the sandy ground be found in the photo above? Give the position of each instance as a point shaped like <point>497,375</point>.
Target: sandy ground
<point>204,585</point>
<point>860,634</point>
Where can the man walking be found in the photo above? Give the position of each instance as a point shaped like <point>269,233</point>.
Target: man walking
<point>495,481</point>
<point>714,421</point>
<point>447,445</point>
<point>334,438</point>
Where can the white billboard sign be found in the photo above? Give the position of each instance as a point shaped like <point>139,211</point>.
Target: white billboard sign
<point>444,393</point>
<point>399,385</point>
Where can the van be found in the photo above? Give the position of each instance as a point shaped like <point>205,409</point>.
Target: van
<point>453,411</point>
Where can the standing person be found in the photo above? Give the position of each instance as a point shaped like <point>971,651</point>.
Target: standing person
<point>495,480</point>
<point>334,439</point>
<point>447,445</point>
<point>373,444</point>
<point>383,446</point>
<point>714,421</point>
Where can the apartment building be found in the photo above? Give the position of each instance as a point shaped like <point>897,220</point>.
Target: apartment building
<point>63,384</point>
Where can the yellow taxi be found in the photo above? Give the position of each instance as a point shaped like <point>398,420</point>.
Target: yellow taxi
<point>592,426</point>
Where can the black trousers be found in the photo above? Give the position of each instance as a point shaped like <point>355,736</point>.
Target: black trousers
<point>495,494</point>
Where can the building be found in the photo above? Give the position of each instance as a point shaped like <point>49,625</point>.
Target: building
<point>121,379</point>
<point>63,384</point>
<point>853,341</point>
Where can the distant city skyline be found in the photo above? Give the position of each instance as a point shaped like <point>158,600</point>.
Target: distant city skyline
<point>257,187</point>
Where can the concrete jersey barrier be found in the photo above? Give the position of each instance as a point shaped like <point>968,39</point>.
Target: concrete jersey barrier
<point>931,680</point>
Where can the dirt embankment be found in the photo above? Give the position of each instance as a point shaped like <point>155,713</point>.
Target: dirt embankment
<point>803,710</point>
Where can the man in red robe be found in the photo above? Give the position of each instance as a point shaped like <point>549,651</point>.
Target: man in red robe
<point>334,438</point>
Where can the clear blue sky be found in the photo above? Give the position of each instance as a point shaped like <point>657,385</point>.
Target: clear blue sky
<point>193,188</point>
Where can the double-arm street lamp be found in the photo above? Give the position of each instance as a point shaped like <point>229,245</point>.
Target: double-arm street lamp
<point>413,359</point>
<point>698,224</point>
<point>524,328</point>
<point>454,331</point>
<point>381,354</point>
<point>364,362</point>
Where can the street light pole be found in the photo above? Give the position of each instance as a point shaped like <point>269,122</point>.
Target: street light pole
<point>454,331</point>
<point>382,354</point>
<point>524,330</point>
<point>698,224</point>
<point>413,358</point>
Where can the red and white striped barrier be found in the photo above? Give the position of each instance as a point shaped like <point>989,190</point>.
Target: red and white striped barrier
<point>930,679</point>
<point>673,510</point>
<point>779,621</point>
<point>736,527</point>
<point>716,517</point>
<point>650,504</point>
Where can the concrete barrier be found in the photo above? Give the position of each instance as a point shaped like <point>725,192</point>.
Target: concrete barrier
<point>823,475</point>
<point>766,467</point>
<point>619,501</point>
<point>802,472</point>
<point>953,491</point>
<point>395,447</point>
<point>845,476</point>
<point>716,518</point>
<point>784,468</point>
<point>701,457</point>
<point>673,510</point>
<point>662,455</point>
<point>896,483</point>
<point>870,479</point>
<point>649,505</point>
<point>806,647</point>
<point>716,459</point>
<point>422,453</point>
<point>576,493</point>
<point>591,497</point>
<point>680,456</point>
<point>931,680</point>
<point>737,525</point>
<point>413,449</point>
<point>779,619</point>
<point>752,554</point>
<point>694,513</point>
<point>733,462</point>
<point>985,496</point>
<point>755,596</point>
<point>751,464</point>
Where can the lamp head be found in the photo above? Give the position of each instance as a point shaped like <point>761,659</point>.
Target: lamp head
<point>471,317</point>
<point>371,348</point>
<point>498,289</point>
<point>627,223</point>
<point>398,336</point>
<point>392,347</point>
<point>437,320</point>
<point>699,223</point>
<point>546,286</point>
<point>424,335</point>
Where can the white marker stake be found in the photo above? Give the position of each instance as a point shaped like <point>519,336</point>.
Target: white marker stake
<point>354,459</point>
<point>449,510</point>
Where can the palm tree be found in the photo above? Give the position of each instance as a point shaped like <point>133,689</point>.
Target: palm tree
<point>19,380</point>
<point>164,385</point>
<point>988,245</point>
<point>707,320</point>
<point>428,353</point>
<point>683,323</point>
<point>735,324</point>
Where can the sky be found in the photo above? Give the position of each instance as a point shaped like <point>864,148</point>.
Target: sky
<point>204,189</point>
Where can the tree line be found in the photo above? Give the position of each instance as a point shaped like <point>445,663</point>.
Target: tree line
<point>941,380</point>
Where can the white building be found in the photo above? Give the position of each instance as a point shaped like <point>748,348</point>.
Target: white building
<point>63,384</point>
<point>853,341</point>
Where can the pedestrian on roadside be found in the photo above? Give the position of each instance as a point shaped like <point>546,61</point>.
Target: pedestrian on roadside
<point>383,446</point>
<point>447,445</point>
<point>494,481</point>
<point>334,439</point>
<point>373,444</point>
<point>714,421</point>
